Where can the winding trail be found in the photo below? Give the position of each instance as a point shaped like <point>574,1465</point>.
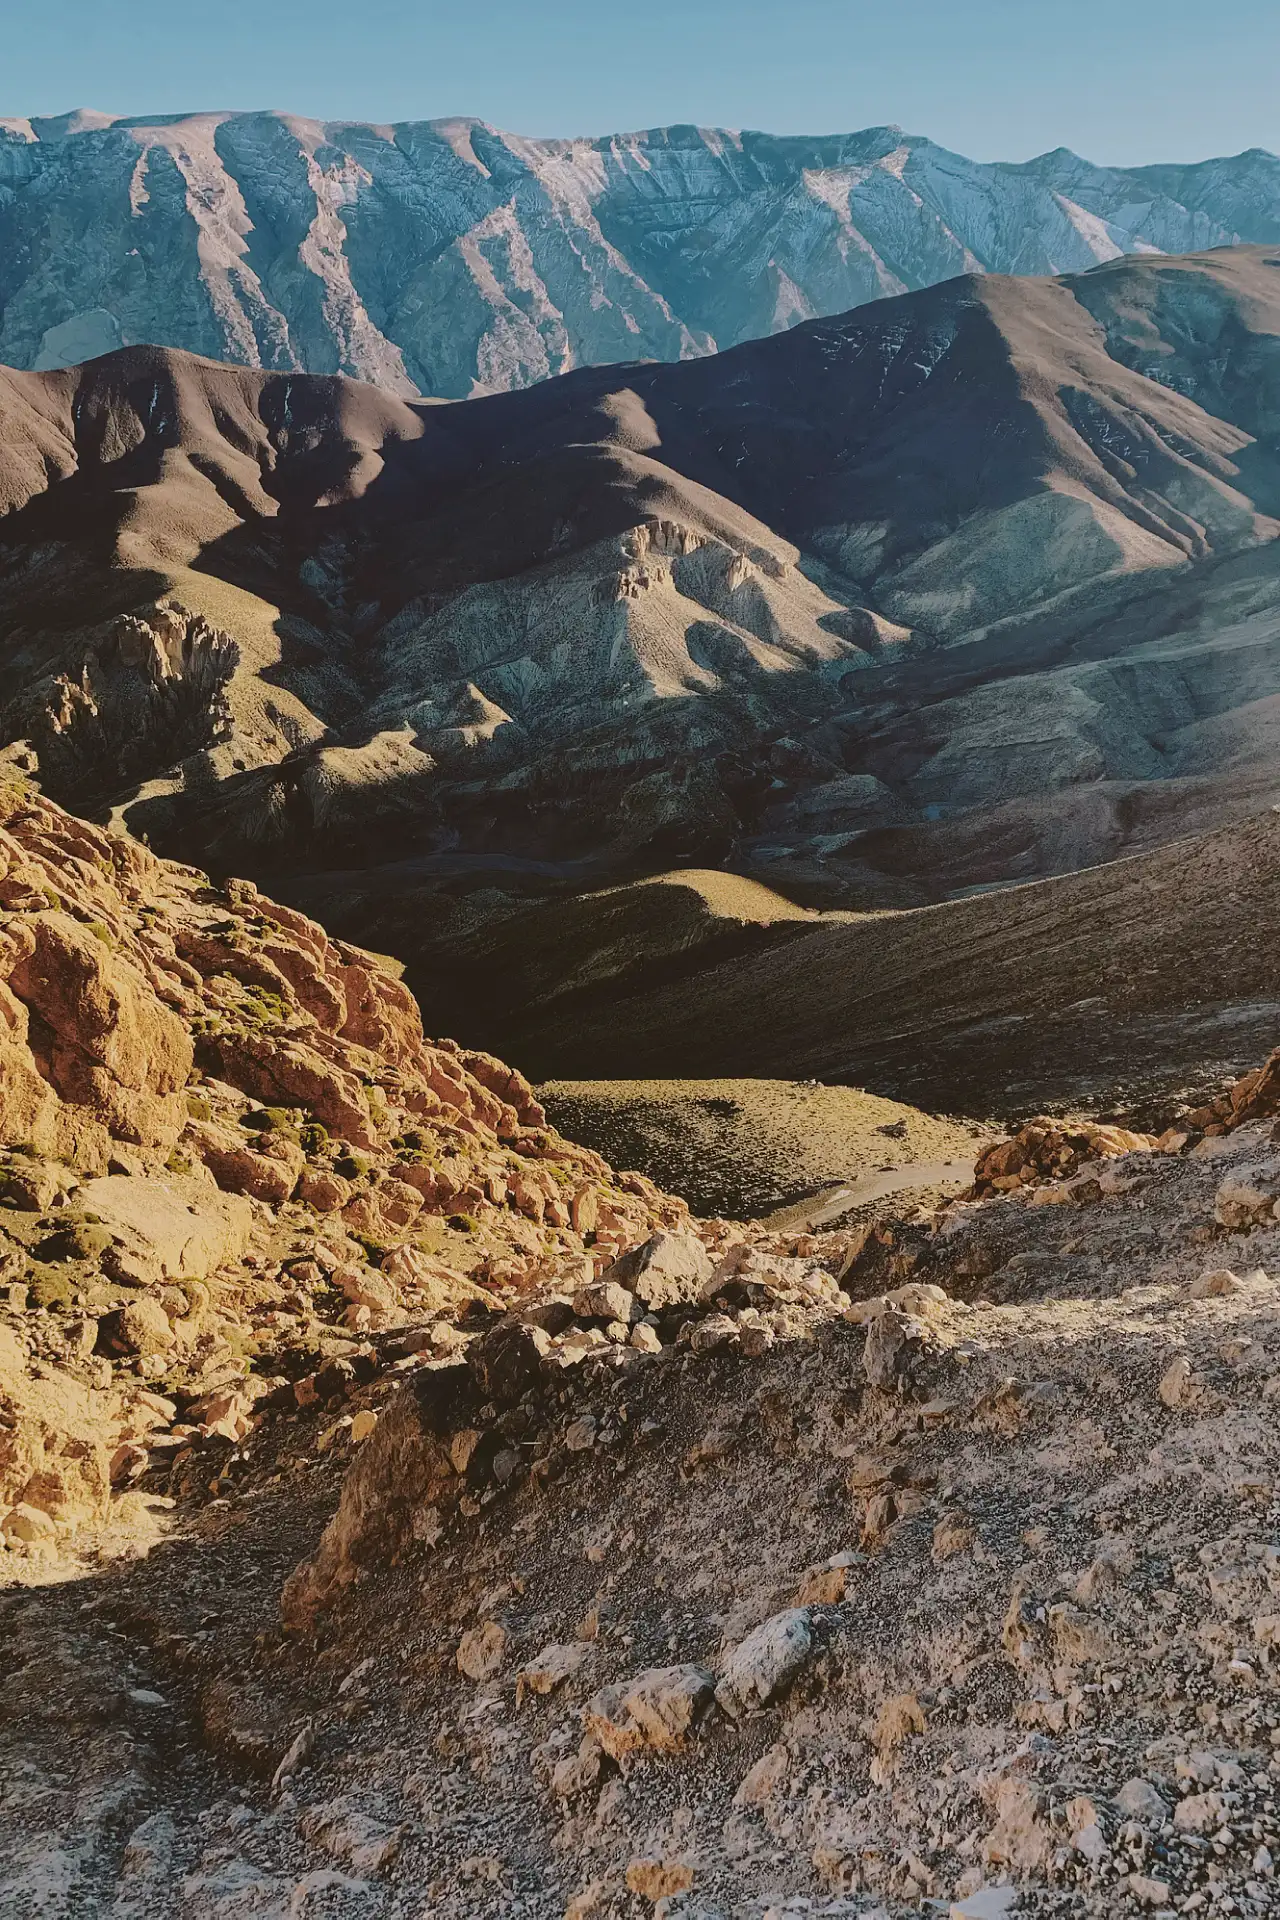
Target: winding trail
<point>820,1209</point>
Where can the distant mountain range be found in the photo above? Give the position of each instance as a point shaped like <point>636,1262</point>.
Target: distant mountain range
<point>448,258</point>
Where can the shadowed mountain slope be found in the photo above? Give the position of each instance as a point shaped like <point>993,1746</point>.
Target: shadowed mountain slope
<point>969,586</point>
<point>1123,980</point>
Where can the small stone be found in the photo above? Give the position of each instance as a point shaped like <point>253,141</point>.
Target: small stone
<point>580,1435</point>
<point>34,1186</point>
<point>766,1778</point>
<point>149,1849</point>
<point>893,1340</point>
<point>228,1414</point>
<point>139,1327</point>
<point>481,1651</point>
<point>657,1710</point>
<point>823,1587</point>
<point>361,1671</point>
<point>506,1465</point>
<point>461,1447</point>
<point>656,1879</point>
<point>1175,1381</point>
<point>128,1462</point>
<point>584,1210</point>
<point>1139,1800</point>
<point>324,1191</point>
<point>603,1300</point>
<point>580,1771</point>
<point>1090,1843</point>
<point>553,1314</point>
<point>348,1834</point>
<point>362,1287</point>
<point>717,1330</point>
<point>644,1338</point>
<point>1198,1813</point>
<point>1147,1891</point>
<point>131,1267</point>
<point>32,1525</point>
<point>362,1425</point>
<point>445,1338</point>
<point>1218,1281</point>
<point>551,1668</point>
<point>920,1298</point>
<point>1246,1199</point>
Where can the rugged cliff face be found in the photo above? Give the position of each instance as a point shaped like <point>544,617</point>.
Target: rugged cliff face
<point>450,258</point>
<point>229,1158</point>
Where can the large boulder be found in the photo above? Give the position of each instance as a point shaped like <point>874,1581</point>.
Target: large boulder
<point>669,1269</point>
<point>182,1227</point>
<point>656,1711</point>
<point>268,1170</point>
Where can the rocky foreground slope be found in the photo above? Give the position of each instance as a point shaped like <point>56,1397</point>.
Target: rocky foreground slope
<point>448,257</point>
<point>231,1167</point>
<point>925,1569</point>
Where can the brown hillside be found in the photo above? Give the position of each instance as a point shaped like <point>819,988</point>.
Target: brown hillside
<point>1144,973</point>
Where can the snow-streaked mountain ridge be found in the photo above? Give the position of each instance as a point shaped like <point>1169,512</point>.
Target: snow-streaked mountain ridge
<point>448,257</point>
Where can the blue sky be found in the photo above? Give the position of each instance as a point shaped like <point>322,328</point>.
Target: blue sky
<point>1118,80</point>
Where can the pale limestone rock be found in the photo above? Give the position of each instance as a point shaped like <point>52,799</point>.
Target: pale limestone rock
<point>666,1270</point>
<point>1215,1283</point>
<point>187,1227</point>
<point>1139,1800</point>
<point>345,1832</point>
<point>603,1300</point>
<point>1247,1198</point>
<point>29,1524</point>
<point>764,1664</point>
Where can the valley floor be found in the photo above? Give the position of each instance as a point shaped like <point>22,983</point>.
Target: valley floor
<point>745,1148</point>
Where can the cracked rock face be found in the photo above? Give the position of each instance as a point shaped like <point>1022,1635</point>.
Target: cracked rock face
<point>148,690</point>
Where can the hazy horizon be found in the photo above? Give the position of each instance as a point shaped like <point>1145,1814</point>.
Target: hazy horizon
<point>996,80</point>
